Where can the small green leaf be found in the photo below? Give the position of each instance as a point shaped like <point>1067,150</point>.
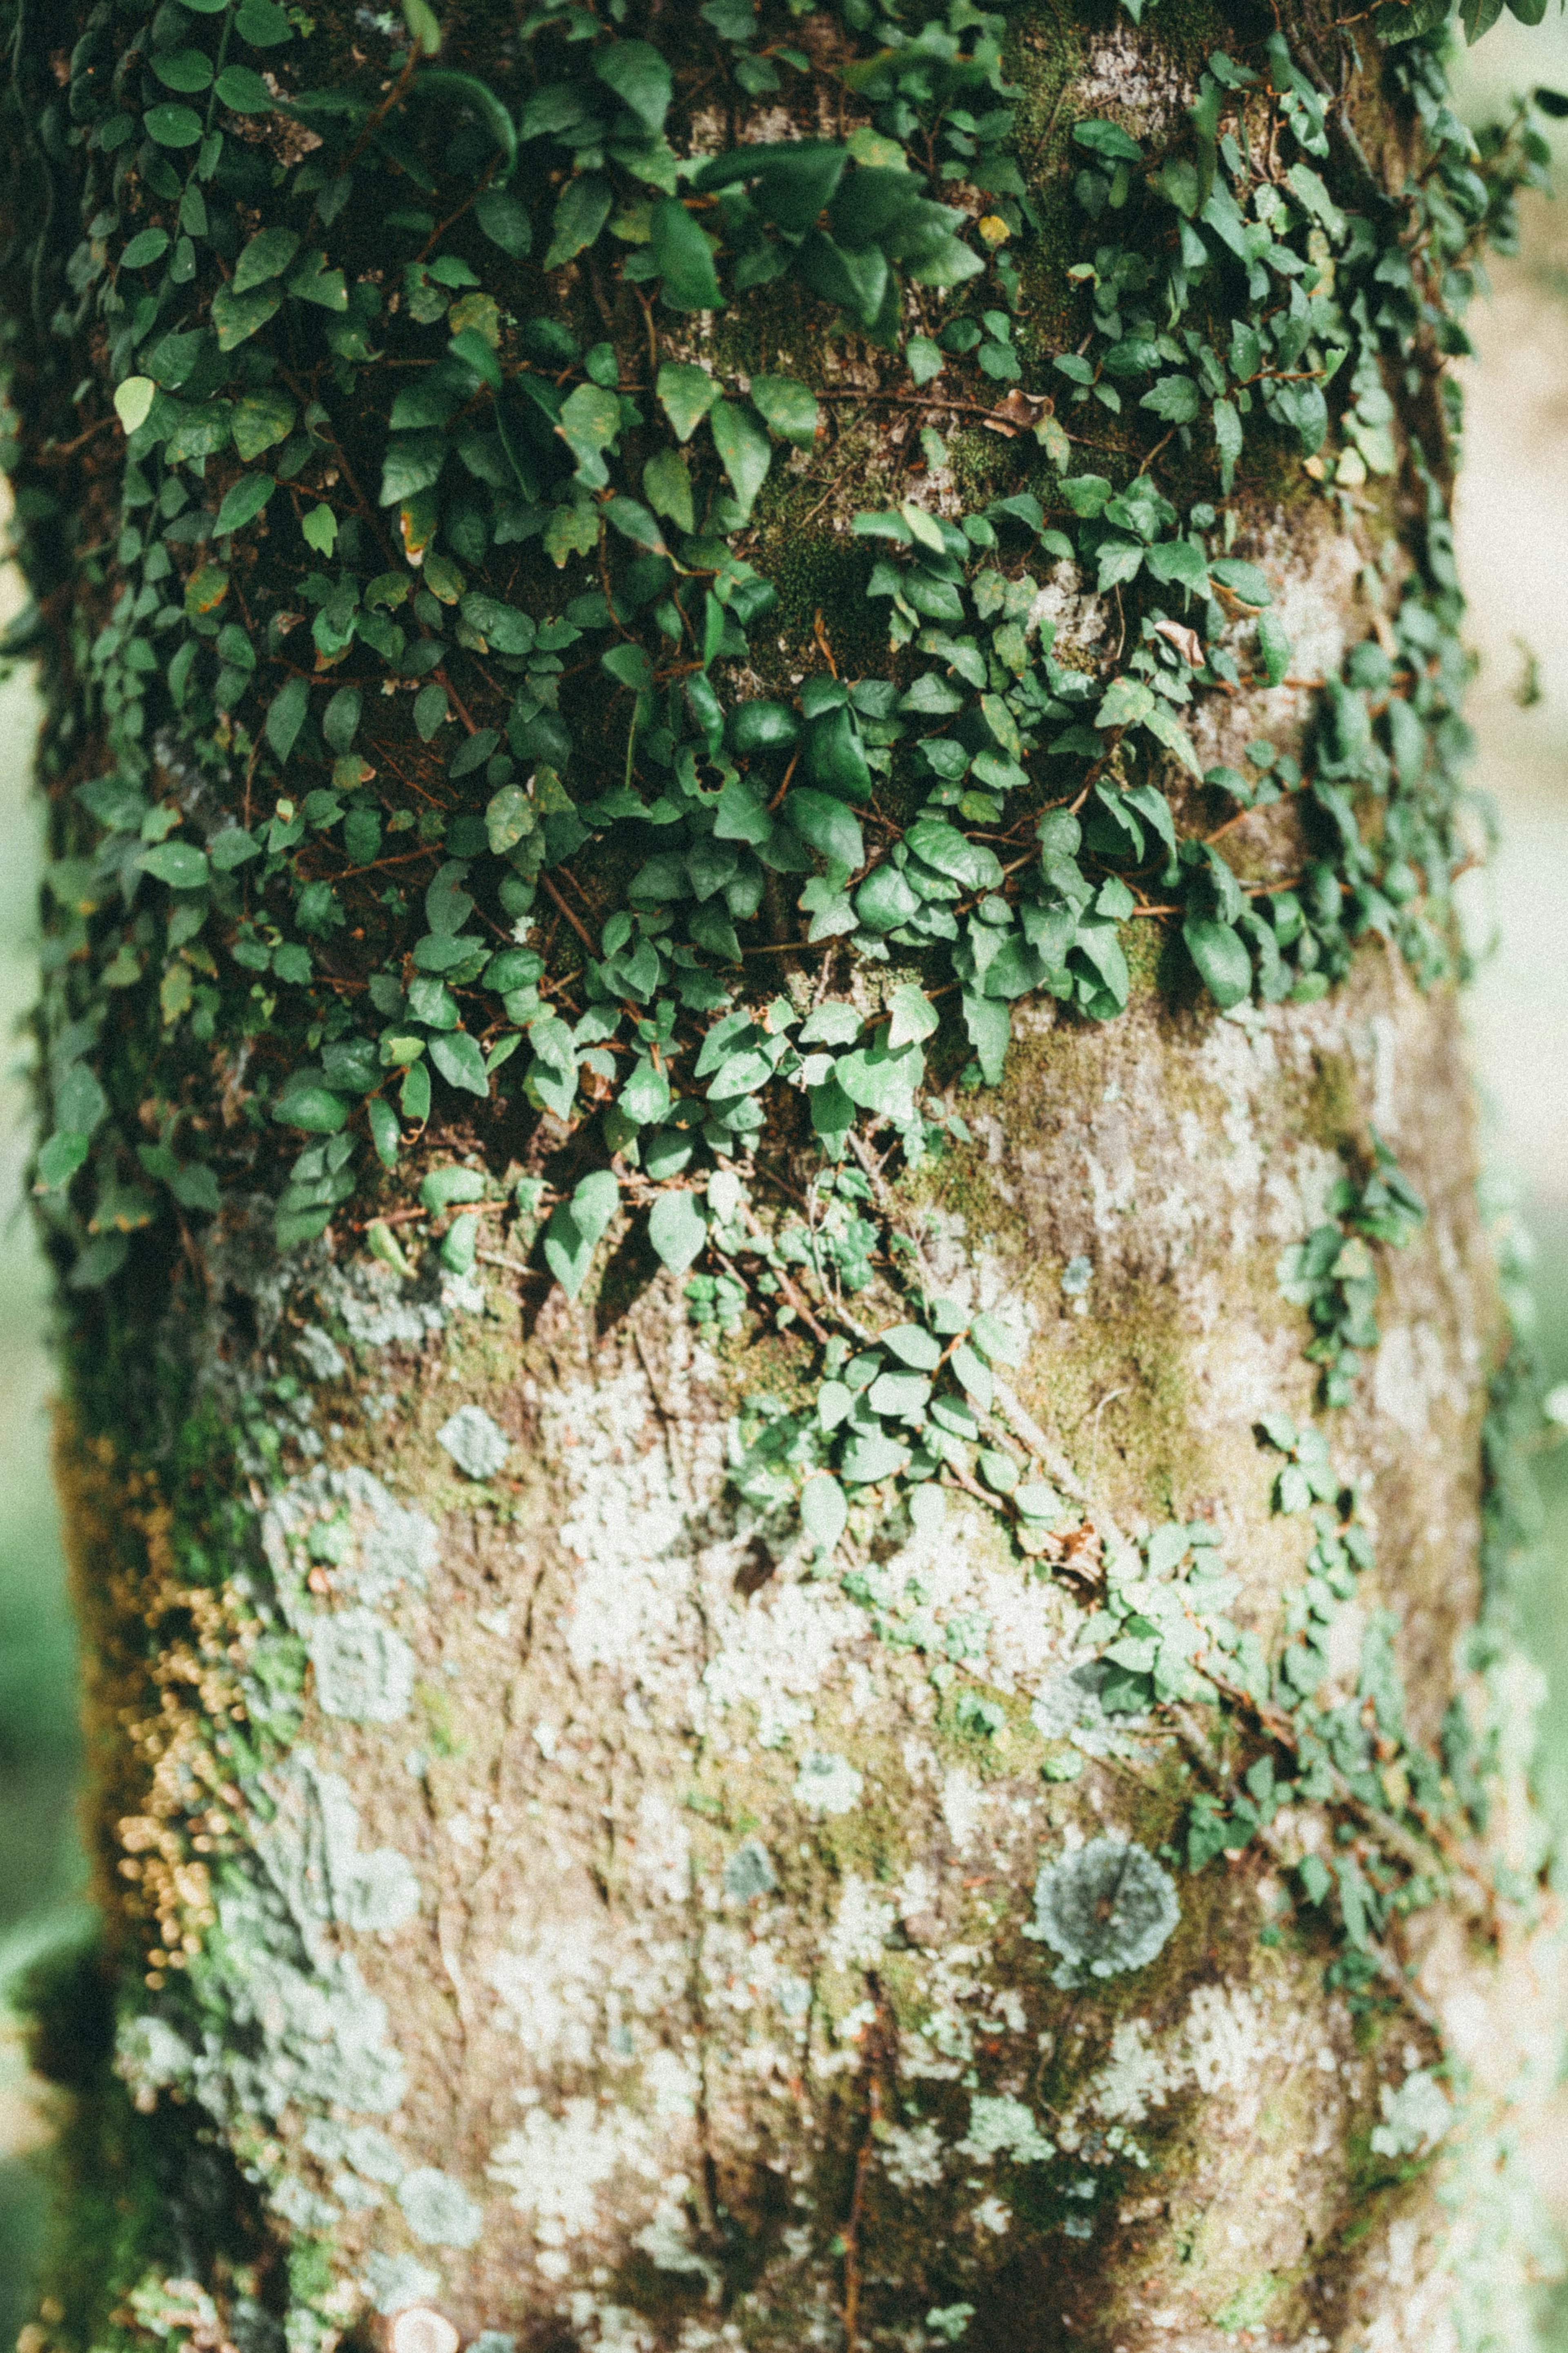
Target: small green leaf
<point>320,529</point>
<point>286,715</point>
<point>666,486</point>
<point>242,502</point>
<point>178,863</point>
<point>914,1345</point>
<point>925,358</point>
<point>580,213</point>
<point>173,126</point>
<point>789,407</point>
<point>913,1015</point>
<point>260,420</point>
<point>686,393</point>
<point>829,826</point>
<point>824,1510</point>
<point>429,711</point>
<point>1220,954</point>
<point>744,449</point>
<point>504,220</point>
<point>460,1062</point>
<point>242,89</point>
<point>236,317</point>
<point>575,1229</point>
<point>684,259</point>
<point>1245,581</point>
<point>134,401</point>
<point>152,245</point>
<point>1108,140</point>
<point>677,1229</point>
<point>639,78</point>
<point>306,1102</point>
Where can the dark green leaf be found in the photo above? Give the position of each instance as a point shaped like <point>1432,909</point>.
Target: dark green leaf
<point>583,208</point>
<point>1220,954</point>
<point>684,259</point>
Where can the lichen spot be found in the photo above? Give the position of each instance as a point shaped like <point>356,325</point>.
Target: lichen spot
<point>422,2329</point>
<point>1107,1908</point>
<point>437,2209</point>
<point>826,1783</point>
<point>475,1444</point>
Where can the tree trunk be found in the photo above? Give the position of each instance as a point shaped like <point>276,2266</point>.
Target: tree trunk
<point>632,1808</point>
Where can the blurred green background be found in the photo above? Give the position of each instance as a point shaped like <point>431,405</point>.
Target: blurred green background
<point>1513,544</point>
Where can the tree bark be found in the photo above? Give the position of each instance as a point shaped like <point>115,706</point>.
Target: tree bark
<point>542,1892</point>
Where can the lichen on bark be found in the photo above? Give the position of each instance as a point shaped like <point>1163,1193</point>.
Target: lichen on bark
<point>552,1895</point>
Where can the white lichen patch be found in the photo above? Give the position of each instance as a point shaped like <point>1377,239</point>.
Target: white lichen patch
<point>828,1783</point>
<point>437,2209</point>
<point>364,1671</point>
<point>478,1448</point>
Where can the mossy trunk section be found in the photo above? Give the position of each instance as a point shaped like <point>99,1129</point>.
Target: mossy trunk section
<point>537,1896</point>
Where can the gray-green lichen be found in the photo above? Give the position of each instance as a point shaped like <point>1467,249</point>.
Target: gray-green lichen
<point>1106,1907</point>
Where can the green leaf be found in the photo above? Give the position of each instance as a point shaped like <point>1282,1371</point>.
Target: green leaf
<point>686,394</point>
<point>320,529</point>
<point>640,78</point>
<point>1245,581</point>
<point>262,24</point>
<point>341,719</point>
<point>429,711</point>
<point>829,826</point>
<point>286,715</point>
<point>460,1062</point>
<point>684,259</point>
<point>184,69</point>
<point>260,420</point>
<point>134,401</point>
<point>241,88</point>
<point>677,1229</point>
<point>152,245</point>
<point>575,1229</point>
<point>178,863</point>
<point>500,626</point>
<point>666,486</point>
<point>989,1025</point>
<point>504,220</point>
<point>1174,398</point>
<point>236,317</point>
<point>242,502</point>
<point>789,407</point>
<point>925,358</point>
<point>914,1345</point>
<point>744,449</point>
<point>313,282</point>
<point>570,531</point>
<point>1107,139</point>
<point>306,1102</point>
<point>824,1510</point>
<point>1220,954</point>
<point>173,126</point>
<point>913,1015</point>
<point>589,421</point>
<point>580,213</point>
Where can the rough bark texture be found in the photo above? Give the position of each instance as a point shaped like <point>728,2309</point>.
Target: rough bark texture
<point>623,1939</point>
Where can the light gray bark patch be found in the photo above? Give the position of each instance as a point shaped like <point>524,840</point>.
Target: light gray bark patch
<point>363,1670</point>
<point>312,1853</point>
<point>394,2282</point>
<point>826,1783</point>
<point>475,1444</point>
<point>437,2209</point>
<point>1108,1907</point>
<point>320,1355</point>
